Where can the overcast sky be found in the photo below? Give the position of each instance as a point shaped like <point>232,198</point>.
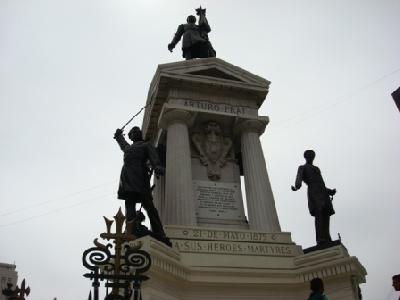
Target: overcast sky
<point>71,72</point>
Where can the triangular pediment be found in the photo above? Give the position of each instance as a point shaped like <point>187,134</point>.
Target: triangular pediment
<point>215,72</point>
<point>212,69</point>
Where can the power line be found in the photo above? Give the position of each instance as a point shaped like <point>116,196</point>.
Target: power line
<point>56,210</point>
<point>56,199</point>
<point>339,100</point>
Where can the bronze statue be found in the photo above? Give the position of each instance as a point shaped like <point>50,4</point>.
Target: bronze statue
<point>396,97</point>
<point>134,185</point>
<point>195,42</point>
<point>319,197</point>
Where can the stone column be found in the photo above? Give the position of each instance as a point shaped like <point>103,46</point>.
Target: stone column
<point>179,206</point>
<point>159,196</point>
<point>260,200</point>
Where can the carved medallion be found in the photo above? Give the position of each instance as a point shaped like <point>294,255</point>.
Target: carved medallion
<point>213,148</point>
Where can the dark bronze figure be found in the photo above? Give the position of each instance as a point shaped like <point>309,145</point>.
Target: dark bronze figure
<point>134,185</point>
<point>319,197</point>
<point>396,97</point>
<point>195,42</point>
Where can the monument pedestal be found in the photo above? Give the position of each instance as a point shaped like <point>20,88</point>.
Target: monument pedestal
<point>204,112</point>
<point>213,264</point>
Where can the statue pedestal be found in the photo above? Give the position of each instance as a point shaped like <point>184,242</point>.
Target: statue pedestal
<point>205,113</point>
<point>241,264</point>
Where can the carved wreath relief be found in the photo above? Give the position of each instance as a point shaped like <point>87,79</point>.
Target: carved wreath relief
<point>213,149</point>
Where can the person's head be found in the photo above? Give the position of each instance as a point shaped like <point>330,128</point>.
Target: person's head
<point>309,155</point>
<point>191,19</point>
<point>317,285</point>
<point>396,282</point>
<point>135,134</point>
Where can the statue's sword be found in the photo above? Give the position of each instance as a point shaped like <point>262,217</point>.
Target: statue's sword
<point>130,120</point>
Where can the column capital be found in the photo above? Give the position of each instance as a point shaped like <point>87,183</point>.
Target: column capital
<point>174,115</point>
<point>251,125</point>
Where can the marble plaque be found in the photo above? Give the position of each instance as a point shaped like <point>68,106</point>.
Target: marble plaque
<point>217,200</point>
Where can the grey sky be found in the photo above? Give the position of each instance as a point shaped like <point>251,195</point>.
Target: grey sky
<point>71,72</point>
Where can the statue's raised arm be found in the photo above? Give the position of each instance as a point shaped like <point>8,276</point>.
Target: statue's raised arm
<point>203,22</point>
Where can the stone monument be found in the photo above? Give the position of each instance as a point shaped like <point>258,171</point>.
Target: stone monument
<point>204,112</point>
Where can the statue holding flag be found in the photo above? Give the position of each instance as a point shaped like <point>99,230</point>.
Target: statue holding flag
<point>195,42</point>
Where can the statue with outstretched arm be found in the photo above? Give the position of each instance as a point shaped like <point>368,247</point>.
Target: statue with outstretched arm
<point>319,196</point>
<point>134,184</point>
